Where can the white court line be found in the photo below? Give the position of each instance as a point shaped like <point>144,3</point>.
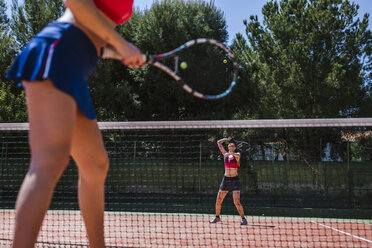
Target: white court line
<point>352,235</point>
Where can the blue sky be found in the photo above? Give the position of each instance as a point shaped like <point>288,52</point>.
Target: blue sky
<point>237,10</point>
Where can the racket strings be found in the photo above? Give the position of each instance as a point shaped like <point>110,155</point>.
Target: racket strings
<point>209,69</point>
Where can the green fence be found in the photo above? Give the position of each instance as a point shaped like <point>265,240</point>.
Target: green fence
<point>163,170</point>
<point>264,183</point>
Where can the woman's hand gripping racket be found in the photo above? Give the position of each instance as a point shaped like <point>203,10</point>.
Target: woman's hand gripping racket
<point>201,65</point>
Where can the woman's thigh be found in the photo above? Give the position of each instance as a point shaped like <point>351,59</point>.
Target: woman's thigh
<point>221,195</point>
<point>52,115</point>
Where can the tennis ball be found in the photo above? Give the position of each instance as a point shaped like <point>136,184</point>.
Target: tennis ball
<point>224,61</point>
<point>263,214</point>
<point>183,65</point>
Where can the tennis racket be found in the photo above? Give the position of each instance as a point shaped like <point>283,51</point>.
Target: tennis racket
<point>241,145</point>
<point>200,65</point>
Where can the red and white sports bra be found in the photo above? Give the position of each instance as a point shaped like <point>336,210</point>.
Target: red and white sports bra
<point>231,162</point>
<point>117,10</point>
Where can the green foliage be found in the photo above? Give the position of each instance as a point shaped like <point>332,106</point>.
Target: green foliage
<point>4,20</point>
<point>30,18</point>
<point>7,44</point>
<point>309,59</point>
<point>12,106</point>
<point>361,148</point>
<point>112,92</point>
<point>165,26</point>
<point>25,22</point>
<point>148,93</point>
<point>7,52</point>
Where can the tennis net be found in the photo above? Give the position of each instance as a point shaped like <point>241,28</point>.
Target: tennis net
<point>304,183</point>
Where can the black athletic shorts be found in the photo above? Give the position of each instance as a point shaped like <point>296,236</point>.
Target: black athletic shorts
<point>230,184</point>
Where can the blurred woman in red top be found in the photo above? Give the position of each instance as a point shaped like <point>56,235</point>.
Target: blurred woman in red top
<point>230,181</point>
<point>53,69</point>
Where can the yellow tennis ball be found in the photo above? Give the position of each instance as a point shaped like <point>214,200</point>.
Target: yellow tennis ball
<point>224,61</point>
<point>183,65</point>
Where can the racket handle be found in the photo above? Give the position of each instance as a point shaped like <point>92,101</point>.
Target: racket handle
<point>109,53</point>
<point>145,58</point>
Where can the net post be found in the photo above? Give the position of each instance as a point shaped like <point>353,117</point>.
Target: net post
<point>350,176</point>
<point>273,169</point>
<point>2,168</point>
<point>134,151</point>
<point>200,165</point>
<point>4,160</point>
<point>134,161</point>
<point>325,179</point>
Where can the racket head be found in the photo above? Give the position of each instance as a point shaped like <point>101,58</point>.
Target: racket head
<point>211,70</point>
<point>241,146</point>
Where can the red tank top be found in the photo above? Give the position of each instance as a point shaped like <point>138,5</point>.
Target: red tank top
<point>231,162</point>
<point>117,10</point>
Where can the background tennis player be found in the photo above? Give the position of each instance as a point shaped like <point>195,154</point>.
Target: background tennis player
<point>54,68</point>
<point>230,181</point>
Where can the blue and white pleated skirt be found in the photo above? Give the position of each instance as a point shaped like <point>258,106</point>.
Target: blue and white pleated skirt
<point>64,54</point>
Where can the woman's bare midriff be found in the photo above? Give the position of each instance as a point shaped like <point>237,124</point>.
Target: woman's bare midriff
<point>231,172</point>
<point>96,40</point>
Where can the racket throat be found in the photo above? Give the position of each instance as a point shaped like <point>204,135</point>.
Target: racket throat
<point>176,61</point>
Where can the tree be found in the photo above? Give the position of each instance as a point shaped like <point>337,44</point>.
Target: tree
<point>26,21</point>
<point>6,42</point>
<point>30,18</point>
<point>111,85</point>
<point>12,107</point>
<point>4,20</point>
<point>309,59</point>
<point>150,94</point>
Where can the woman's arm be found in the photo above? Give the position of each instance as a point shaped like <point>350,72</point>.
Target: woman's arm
<point>88,15</point>
<point>219,144</point>
<point>237,157</point>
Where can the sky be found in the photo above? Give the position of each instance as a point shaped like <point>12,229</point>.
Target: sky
<point>236,11</point>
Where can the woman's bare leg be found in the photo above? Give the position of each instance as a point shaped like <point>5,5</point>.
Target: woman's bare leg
<point>238,205</point>
<point>220,197</point>
<point>51,116</point>
<point>90,156</point>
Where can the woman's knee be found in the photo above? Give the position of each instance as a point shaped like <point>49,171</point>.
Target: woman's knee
<point>49,164</point>
<point>219,201</point>
<point>96,171</point>
<point>237,201</point>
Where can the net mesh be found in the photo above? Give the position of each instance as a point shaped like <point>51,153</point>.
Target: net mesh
<point>305,183</point>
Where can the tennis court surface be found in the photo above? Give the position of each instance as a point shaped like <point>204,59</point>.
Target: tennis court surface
<point>194,230</point>
<point>303,185</point>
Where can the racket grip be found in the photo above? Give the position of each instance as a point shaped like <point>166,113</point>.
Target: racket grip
<point>144,58</point>
<point>109,53</point>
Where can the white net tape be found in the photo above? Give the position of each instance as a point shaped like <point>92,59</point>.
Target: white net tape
<point>264,123</point>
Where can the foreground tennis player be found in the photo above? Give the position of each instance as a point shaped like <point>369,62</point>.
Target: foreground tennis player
<point>230,181</point>
<point>53,69</point>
